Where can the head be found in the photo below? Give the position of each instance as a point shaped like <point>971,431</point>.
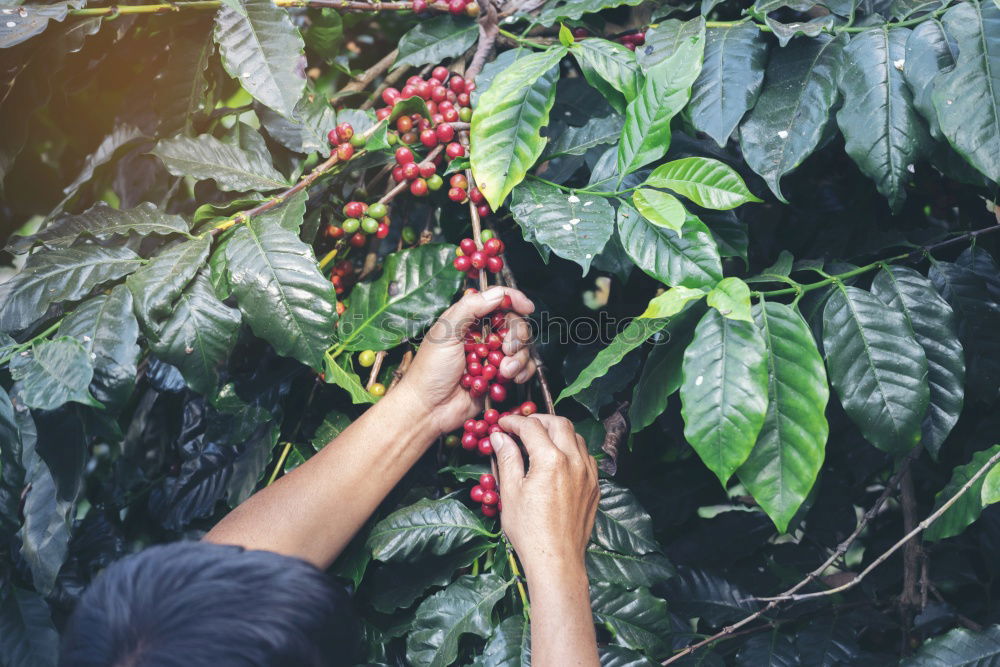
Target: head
<point>199,604</point>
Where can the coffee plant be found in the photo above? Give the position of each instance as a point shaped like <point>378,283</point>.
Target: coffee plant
<point>757,235</point>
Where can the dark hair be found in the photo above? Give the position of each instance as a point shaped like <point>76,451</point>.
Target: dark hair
<point>199,604</point>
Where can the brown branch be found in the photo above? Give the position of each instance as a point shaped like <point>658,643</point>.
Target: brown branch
<point>170,7</point>
<point>400,371</point>
<point>809,578</point>
<point>543,384</point>
<point>370,74</point>
<point>615,432</point>
<point>390,80</point>
<point>376,368</point>
<point>489,28</point>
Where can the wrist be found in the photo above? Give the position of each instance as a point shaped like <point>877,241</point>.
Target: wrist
<point>561,569</point>
<point>403,408</point>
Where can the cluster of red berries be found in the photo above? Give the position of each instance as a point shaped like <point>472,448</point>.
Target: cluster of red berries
<point>476,432</point>
<point>487,494</point>
<point>461,193</point>
<point>471,258</point>
<point>484,354</point>
<point>360,220</point>
<point>342,276</point>
<point>343,140</point>
<point>455,7</point>
<point>448,101</point>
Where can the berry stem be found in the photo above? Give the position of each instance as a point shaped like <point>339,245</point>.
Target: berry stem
<point>279,464</point>
<point>543,384</point>
<point>512,559</point>
<point>376,368</point>
<point>167,8</point>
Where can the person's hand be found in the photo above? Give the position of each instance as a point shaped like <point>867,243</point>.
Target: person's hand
<point>548,513</point>
<point>433,378</point>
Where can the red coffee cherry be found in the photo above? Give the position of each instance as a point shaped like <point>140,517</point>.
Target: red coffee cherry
<point>457,84</point>
<point>462,263</point>
<point>454,150</point>
<point>418,188</point>
<point>494,264</point>
<point>485,447</point>
<point>478,260</point>
<point>492,246</point>
<point>427,169</point>
<point>491,416</point>
<point>488,482</point>
<point>528,408</point>
<point>457,195</point>
<point>489,510</point>
<point>345,152</point>
<point>469,441</point>
<point>390,95</point>
<point>479,386</point>
<point>490,497</point>
<point>440,73</point>
<point>403,154</point>
<point>476,493</point>
<point>358,240</point>
<point>498,392</point>
<point>445,133</point>
<point>468,246</point>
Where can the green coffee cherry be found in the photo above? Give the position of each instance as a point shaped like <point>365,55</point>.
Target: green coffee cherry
<point>409,235</point>
<point>350,225</point>
<point>435,182</point>
<point>465,114</point>
<point>369,225</point>
<point>358,141</point>
<point>377,210</point>
<point>366,358</point>
<point>485,235</point>
<point>392,138</point>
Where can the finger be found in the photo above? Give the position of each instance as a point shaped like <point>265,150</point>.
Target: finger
<point>510,464</point>
<point>561,431</point>
<point>527,373</point>
<point>534,436</point>
<point>455,322</point>
<point>518,334</point>
<point>511,366</point>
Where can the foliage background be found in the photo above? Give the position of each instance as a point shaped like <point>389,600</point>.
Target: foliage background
<point>141,408</point>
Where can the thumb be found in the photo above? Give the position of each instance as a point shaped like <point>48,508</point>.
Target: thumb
<point>455,322</point>
<point>510,465</point>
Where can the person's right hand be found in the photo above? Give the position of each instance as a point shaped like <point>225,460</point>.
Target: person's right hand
<point>548,513</point>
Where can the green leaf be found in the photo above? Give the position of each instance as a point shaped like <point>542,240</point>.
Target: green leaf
<point>18,27</point>
<point>730,79</point>
<point>55,276</point>
<point>426,527</point>
<point>182,83</point>
<point>707,182</point>
<point>157,285</point>
<point>667,38</point>
<point>660,208</point>
<point>325,35</point>
<point>724,391</point>
<point>416,285</point>
<point>877,367</point>
<point>967,98</point>
<point>969,506</point>
<point>280,291</point>
<point>555,10</point>
<point>397,585</point>
<point>579,140</point>
<point>53,373</point>
<point>107,328</point>
<point>787,122</point>
<point>991,487</point>
<point>433,40</point>
<point>462,608</point>
<point>333,424</point>
<point>27,636</point>
<point>340,372</point>
<point>102,223</point>
<point>731,297</point>
<point>771,649</point>
<point>786,459</point>
<point>505,129</point>
<point>883,132</point>
<point>637,619</point>
<point>575,226</point>
<point>509,645</point>
<point>959,648</point>
<point>305,131</point>
<point>932,322</point>
<point>621,524</point>
<point>619,656</point>
<point>627,570</point>
<point>688,259</point>
<point>198,335</point>
<point>709,597</point>
<point>122,137</point>
<point>664,93</point>
<point>262,49</point>
<point>661,374</point>
<point>232,168</point>
<point>611,68</point>
<point>927,53</point>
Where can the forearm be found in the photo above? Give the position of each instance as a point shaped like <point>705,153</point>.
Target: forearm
<point>314,511</point>
<point>562,627</point>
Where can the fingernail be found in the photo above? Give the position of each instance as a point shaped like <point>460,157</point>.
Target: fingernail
<point>510,367</point>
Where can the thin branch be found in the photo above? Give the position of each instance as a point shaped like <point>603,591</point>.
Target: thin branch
<point>489,28</point>
<point>170,7</point>
<point>400,371</point>
<point>543,384</point>
<point>376,368</point>
<point>370,74</point>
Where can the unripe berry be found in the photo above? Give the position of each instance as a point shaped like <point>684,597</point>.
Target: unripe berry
<point>358,141</point>
<point>434,182</point>
<point>378,210</point>
<point>409,137</point>
<point>369,225</point>
<point>472,9</point>
<point>409,234</point>
<point>377,389</point>
<point>366,358</point>
<point>351,225</point>
<point>452,440</point>
<point>465,114</point>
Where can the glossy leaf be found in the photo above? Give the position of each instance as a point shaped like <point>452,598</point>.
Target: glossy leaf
<point>509,645</point>
<point>932,322</point>
<point>434,40</point>
<point>231,167</point>
<point>731,297</point>
<point>959,647</point>
<point>280,291</point>
<point>787,122</point>
<point>967,98</point>
<point>619,656</point>
<point>622,525</point>
<point>305,131</point>
<point>28,637</point>
<point>611,68</point>
<point>53,373</point>
<point>927,54</point>
<point>261,48</point>
<point>416,285</point>
<point>730,79</point>
<point>883,132</point>
<point>340,372</point>
<point>707,182</point>
<point>425,527</point>
<point>688,259</point>
<point>699,593</point>
<point>156,286</point>
<point>462,608</point>
<point>579,140</point>
<point>665,39</point>
<point>574,226</point>
<point>877,368</point>
<point>56,276</point>
<point>627,570</point>
<point>505,137</point>
<point>636,618</point>
<point>664,93</point>
<point>771,649</point>
<point>574,9</point>
<point>724,393</point>
<point>661,374</point>
<point>398,585</point>
<point>969,506</point>
<point>789,452</point>
<point>660,208</point>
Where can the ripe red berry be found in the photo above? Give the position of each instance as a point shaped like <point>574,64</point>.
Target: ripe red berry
<point>345,131</point>
<point>331,136</point>
<point>414,79</point>
<point>438,94</point>
<point>456,7</point>
<point>429,138</point>
<point>440,73</point>
<point>468,246</point>
<point>496,428</point>
<point>454,150</point>
<point>474,369</point>
<point>489,371</point>
<point>480,428</point>
<point>404,123</point>
<point>403,154</point>
<point>423,90</point>
<point>418,187</point>
<point>469,441</point>
<point>472,274</point>
<point>490,497</point>
<point>427,169</point>
<point>476,493</point>
<point>476,196</point>
<point>488,482</point>
<point>358,240</point>
<point>483,210</point>
<point>383,113</point>
<point>494,358</point>
<point>411,170</point>
<point>488,510</point>
<point>494,264</point>
<point>492,246</point>
<point>482,351</point>
<point>463,100</point>
<point>506,303</point>
<point>457,84</point>
<point>498,392</point>
<point>466,381</point>
<point>491,416</point>
<point>345,152</point>
<point>528,408</point>
<point>485,447</point>
<point>355,209</point>
<point>469,425</point>
<point>494,342</point>
<point>382,231</point>
<point>451,116</point>
<point>457,195</point>
<point>458,181</point>
<point>445,133</point>
<point>462,263</point>
<point>390,95</point>
<point>407,92</point>
<point>419,6</point>
<point>479,386</point>
<point>478,260</point>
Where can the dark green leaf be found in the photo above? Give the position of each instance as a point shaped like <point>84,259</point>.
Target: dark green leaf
<point>415,286</point>
<point>397,585</point>
<point>689,259</point>
<point>729,232</point>
<point>786,459</point>
<point>433,40</point>
<point>969,505</point>
<point>340,372</point>
<point>122,137</point>
<point>579,140</point>
<point>787,122</point>
<point>157,285</point>
<point>622,525</point>
<point>661,374</point>
<point>667,38</point>
<point>232,168</point>
<point>769,650</point>
<point>611,68</point>
<point>262,49</point>
<point>932,322</point>
<point>55,276</point>
<point>828,642</point>
<point>325,35</point>
<point>709,597</point>
<point>627,570</point>
<point>425,527</point>
<point>877,367</point>
<point>730,79</point>
<point>181,84</point>
<point>505,135</point>
<point>927,54</point>
<point>27,636</point>
<point>724,393</point>
<point>53,373</point>
<point>707,182</point>
<point>280,291</point>
<point>464,607</point>
<point>509,645</point>
<point>959,648</point>
<point>967,98</point>
<point>305,131</point>
<point>637,619</point>
<point>619,656</point>
<point>812,28</point>
<point>884,134</point>
<point>574,9</point>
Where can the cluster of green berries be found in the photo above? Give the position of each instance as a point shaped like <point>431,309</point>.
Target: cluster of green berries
<point>360,221</point>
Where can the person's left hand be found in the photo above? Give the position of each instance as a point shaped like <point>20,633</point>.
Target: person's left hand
<point>433,378</point>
